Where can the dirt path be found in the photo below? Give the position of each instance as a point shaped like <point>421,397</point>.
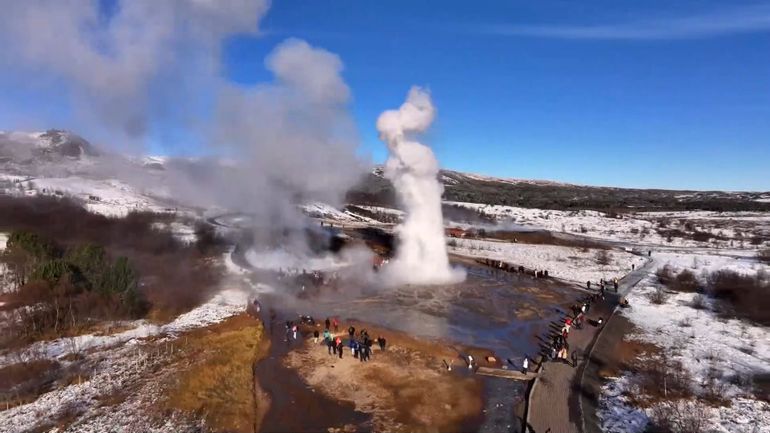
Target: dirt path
<point>554,401</point>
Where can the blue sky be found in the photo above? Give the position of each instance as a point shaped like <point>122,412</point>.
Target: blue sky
<point>599,92</point>
<point>639,94</point>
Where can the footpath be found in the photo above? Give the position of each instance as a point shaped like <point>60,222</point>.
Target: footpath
<point>554,399</point>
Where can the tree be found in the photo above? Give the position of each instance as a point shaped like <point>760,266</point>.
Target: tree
<point>91,260</point>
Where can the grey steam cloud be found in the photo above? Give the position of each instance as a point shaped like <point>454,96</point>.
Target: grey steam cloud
<point>147,63</point>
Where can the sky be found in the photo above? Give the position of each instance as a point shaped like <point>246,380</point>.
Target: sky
<point>651,94</point>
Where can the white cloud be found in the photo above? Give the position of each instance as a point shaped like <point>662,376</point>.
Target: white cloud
<point>750,19</point>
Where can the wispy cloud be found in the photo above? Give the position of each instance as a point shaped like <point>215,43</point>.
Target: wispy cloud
<point>751,19</point>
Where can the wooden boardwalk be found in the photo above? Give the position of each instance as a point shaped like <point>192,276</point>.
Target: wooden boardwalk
<point>553,403</point>
<point>506,374</point>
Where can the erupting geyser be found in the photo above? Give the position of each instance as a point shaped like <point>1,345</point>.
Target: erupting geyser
<point>421,257</point>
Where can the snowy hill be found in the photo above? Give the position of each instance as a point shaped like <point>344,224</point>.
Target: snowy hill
<point>376,190</point>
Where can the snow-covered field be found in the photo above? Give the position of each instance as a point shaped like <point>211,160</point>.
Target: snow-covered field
<point>701,341</point>
<point>325,211</point>
<point>638,228</point>
<point>568,263</point>
<point>223,305</point>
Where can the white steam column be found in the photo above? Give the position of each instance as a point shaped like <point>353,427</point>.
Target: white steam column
<point>421,257</point>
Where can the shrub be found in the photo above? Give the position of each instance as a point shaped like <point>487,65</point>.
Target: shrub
<point>658,296</point>
<point>742,296</point>
<point>679,416</point>
<point>665,275</point>
<point>686,281</point>
<point>698,302</point>
<point>32,243</point>
<point>603,257</point>
<point>764,255</point>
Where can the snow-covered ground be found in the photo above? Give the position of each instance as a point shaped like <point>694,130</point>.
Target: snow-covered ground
<point>223,305</point>
<point>700,341</point>
<point>107,197</point>
<point>325,211</point>
<point>639,228</point>
<point>568,263</point>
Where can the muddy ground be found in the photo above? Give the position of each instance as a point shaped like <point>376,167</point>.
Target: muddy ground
<point>404,388</point>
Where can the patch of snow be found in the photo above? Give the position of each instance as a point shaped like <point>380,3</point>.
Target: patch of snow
<point>701,341</point>
<point>567,263</point>
<point>615,413</point>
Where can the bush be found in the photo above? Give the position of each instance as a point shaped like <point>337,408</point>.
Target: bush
<point>698,302</point>
<point>658,296</point>
<point>603,257</point>
<point>665,275</point>
<point>742,296</point>
<point>32,243</point>
<point>686,281</point>
<point>679,416</point>
<point>764,255</point>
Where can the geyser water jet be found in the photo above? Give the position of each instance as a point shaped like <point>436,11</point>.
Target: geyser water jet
<point>421,257</point>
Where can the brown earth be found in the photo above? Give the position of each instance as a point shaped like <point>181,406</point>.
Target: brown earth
<point>214,379</point>
<point>405,388</point>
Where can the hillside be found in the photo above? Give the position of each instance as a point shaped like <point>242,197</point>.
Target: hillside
<point>464,187</point>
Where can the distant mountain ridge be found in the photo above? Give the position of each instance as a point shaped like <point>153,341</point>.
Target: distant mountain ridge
<point>468,187</point>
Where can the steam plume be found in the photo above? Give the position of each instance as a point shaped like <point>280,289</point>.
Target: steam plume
<point>421,256</point>
<point>134,71</point>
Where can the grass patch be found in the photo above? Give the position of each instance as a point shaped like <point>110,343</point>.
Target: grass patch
<point>217,382</point>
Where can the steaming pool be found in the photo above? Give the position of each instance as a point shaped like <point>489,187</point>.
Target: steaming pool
<point>490,309</point>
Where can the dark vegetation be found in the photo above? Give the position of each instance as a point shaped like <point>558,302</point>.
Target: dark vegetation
<point>735,294</point>
<point>76,268</point>
<point>543,237</point>
<point>377,191</point>
<point>764,255</point>
<point>24,382</point>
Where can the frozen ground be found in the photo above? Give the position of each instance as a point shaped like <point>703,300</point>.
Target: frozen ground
<point>223,305</point>
<point>325,211</point>
<point>701,341</point>
<point>638,228</point>
<point>568,263</point>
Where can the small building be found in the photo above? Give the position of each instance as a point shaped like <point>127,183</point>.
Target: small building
<point>455,232</point>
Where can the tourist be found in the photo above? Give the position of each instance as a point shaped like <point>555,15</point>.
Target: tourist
<point>336,324</point>
<point>588,284</point>
<point>339,347</point>
<point>525,365</point>
<point>616,285</point>
<point>327,335</point>
<point>351,332</point>
<point>333,346</point>
<point>294,331</point>
<point>327,322</point>
<point>315,336</point>
<point>353,346</point>
<point>381,341</point>
<point>470,361</point>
